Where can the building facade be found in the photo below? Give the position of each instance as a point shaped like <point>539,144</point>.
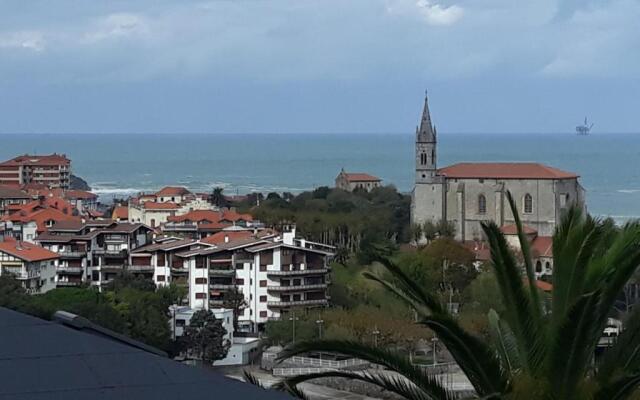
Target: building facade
<point>53,170</point>
<point>32,265</point>
<point>467,194</point>
<point>351,181</point>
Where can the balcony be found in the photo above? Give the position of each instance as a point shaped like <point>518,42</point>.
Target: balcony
<point>315,271</point>
<point>111,253</point>
<point>293,288</point>
<point>319,302</point>
<point>220,286</point>
<point>63,269</point>
<point>216,302</point>
<point>72,254</point>
<point>222,272</point>
<point>140,268</point>
<point>111,268</point>
<point>19,274</point>
<point>68,283</point>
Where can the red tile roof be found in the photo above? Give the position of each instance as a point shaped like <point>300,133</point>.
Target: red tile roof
<point>172,191</point>
<point>197,216</point>
<point>80,194</point>
<point>512,229</point>
<point>152,205</point>
<point>233,216</point>
<point>214,226</point>
<point>224,237</point>
<point>120,212</point>
<point>27,251</point>
<point>542,285</point>
<point>504,171</point>
<point>52,159</point>
<point>542,246</point>
<point>360,177</point>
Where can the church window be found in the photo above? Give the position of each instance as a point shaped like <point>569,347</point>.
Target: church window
<point>538,266</point>
<point>482,204</point>
<point>423,158</point>
<point>528,204</point>
<point>547,265</point>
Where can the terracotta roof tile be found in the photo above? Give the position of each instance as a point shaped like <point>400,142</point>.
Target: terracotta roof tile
<point>504,171</point>
<point>120,212</point>
<point>512,229</point>
<point>172,191</point>
<point>225,237</point>
<point>27,251</point>
<point>360,177</point>
<point>542,246</point>
<point>152,205</point>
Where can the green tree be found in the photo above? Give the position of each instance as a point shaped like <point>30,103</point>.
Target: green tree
<point>204,337</point>
<point>217,197</point>
<point>533,352</point>
<point>233,299</point>
<point>430,231</point>
<point>416,233</point>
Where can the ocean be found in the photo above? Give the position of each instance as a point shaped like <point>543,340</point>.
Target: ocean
<point>119,165</point>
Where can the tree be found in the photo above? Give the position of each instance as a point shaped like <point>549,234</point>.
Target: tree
<point>217,198</point>
<point>234,299</point>
<point>533,352</point>
<point>446,228</point>
<point>416,233</point>
<point>204,337</point>
<point>129,280</point>
<point>430,231</point>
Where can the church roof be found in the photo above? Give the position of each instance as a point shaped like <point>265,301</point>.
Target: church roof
<point>360,177</point>
<point>512,170</point>
<point>426,132</point>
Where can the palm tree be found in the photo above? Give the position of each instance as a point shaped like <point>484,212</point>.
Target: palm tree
<point>534,352</point>
<point>217,197</point>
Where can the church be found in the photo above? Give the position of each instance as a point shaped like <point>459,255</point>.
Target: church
<point>468,193</point>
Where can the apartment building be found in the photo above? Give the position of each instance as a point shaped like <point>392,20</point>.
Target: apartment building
<point>275,274</point>
<point>30,264</point>
<point>11,196</point>
<point>53,170</point>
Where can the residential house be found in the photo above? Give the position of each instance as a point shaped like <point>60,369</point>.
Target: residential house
<point>32,265</point>
<point>351,181</point>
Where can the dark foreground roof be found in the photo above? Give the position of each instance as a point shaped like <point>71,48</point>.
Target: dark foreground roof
<point>47,360</point>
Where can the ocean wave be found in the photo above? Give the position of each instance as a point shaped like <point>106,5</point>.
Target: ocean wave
<point>628,191</point>
<point>107,191</point>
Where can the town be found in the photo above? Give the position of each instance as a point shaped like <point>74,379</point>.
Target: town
<point>267,275</point>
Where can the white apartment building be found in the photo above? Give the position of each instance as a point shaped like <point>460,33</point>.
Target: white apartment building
<point>32,265</point>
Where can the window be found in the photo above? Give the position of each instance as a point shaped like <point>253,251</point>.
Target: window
<point>423,158</point>
<point>263,314</point>
<point>263,267</point>
<point>528,204</point>
<point>482,204</point>
<point>160,278</point>
<point>180,322</point>
<point>564,199</point>
<point>263,283</point>
<point>239,266</point>
<point>201,295</point>
<point>239,281</point>
<point>538,266</point>
<point>201,280</point>
<point>263,299</point>
<point>547,265</point>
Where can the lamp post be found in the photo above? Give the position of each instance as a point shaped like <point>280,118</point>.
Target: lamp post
<point>293,320</point>
<point>434,340</point>
<point>319,321</point>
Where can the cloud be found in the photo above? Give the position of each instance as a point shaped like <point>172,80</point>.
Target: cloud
<point>436,14</point>
<point>28,40</point>
<point>119,25</point>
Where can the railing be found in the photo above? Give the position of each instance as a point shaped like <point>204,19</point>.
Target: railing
<point>297,303</point>
<point>317,362</point>
<point>299,371</point>
<point>296,287</point>
<point>221,286</point>
<point>72,254</point>
<point>299,272</point>
<point>19,274</point>
<point>225,272</point>
<point>118,253</point>
<point>70,270</point>
<point>111,267</point>
<point>140,268</point>
<point>68,283</point>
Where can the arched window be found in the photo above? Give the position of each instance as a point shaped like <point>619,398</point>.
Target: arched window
<point>528,204</point>
<point>538,266</point>
<point>423,158</point>
<point>482,204</point>
<point>547,266</point>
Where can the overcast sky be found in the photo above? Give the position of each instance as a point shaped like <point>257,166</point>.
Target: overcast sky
<point>318,65</point>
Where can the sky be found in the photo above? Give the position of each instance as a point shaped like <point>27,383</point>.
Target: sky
<point>301,66</point>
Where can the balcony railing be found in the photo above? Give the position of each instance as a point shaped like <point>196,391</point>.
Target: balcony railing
<point>19,274</point>
<point>298,272</point>
<point>221,286</point>
<point>319,302</point>
<point>72,254</point>
<point>69,270</point>
<point>292,288</point>
<point>216,302</point>
<point>116,253</point>
<point>68,283</point>
<point>141,268</point>
<point>222,272</point>
<point>115,267</point>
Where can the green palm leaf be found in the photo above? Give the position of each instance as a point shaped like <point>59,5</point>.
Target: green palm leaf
<point>505,343</point>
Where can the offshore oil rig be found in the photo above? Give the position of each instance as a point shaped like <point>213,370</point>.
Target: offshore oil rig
<point>584,129</point>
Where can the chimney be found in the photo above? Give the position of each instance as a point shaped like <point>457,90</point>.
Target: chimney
<point>287,237</point>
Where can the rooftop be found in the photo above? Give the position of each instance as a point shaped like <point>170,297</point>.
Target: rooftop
<point>26,251</point>
<point>7,192</point>
<point>75,359</point>
<point>51,159</point>
<point>507,170</point>
<point>360,177</point>
<point>169,191</point>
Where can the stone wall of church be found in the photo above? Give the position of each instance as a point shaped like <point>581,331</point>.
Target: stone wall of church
<point>427,203</point>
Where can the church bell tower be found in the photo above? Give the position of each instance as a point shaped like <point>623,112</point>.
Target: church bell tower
<point>426,147</point>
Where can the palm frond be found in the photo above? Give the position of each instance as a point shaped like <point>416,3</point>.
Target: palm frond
<point>536,305</point>
<point>389,359</point>
<point>410,301</point>
<point>251,378</point>
<point>394,384</point>
<point>620,389</point>
<point>624,355</point>
<point>505,343</point>
<point>529,331</point>
<point>573,346</point>
<point>476,359</point>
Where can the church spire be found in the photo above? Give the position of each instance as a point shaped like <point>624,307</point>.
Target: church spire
<point>426,131</point>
